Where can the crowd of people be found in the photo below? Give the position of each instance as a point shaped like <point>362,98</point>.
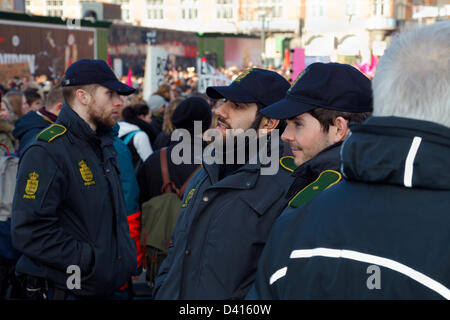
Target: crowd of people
<point>358,208</point>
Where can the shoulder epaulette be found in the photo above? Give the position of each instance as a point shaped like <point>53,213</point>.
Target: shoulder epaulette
<point>51,133</point>
<point>288,163</point>
<point>325,180</point>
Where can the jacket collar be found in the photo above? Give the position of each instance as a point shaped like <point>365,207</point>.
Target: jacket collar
<point>80,128</point>
<point>327,159</point>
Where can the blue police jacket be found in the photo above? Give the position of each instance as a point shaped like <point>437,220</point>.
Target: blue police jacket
<point>220,233</point>
<point>381,233</point>
<point>68,209</point>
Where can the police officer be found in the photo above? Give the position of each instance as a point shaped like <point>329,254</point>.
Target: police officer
<point>228,209</point>
<point>69,217</point>
<point>318,108</point>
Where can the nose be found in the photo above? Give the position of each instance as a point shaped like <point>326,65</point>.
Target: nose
<point>118,101</point>
<point>222,111</point>
<point>287,135</point>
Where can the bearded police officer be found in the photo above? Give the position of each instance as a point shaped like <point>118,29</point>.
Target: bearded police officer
<point>229,206</point>
<point>69,217</point>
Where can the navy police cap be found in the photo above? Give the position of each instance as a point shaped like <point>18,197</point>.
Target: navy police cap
<point>87,71</point>
<point>253,85</point>
<point>333,86</point>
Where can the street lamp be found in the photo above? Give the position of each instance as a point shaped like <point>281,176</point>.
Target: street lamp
<point>262,12</point>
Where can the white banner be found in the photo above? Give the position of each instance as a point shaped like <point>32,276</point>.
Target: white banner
<point>118,67</point>
<point>155,69</point>
<point>209,76</point>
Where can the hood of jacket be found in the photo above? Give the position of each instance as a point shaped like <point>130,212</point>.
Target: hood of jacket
<point>126,127</point>
<point>398,151</point>
<point>29,121</point>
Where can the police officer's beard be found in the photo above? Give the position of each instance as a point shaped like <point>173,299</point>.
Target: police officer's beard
<point>239,147</point>
<point>100,117</point>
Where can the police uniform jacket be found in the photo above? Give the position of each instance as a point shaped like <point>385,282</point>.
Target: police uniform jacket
<point>68,209</point>
<point>381,233</point>
<point>221,231</point>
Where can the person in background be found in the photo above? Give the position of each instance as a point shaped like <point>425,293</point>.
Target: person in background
<point>130,189</point>
<point>29,125</point>
<point>136,139</point>
<point>140,115</point>
<point>157,105</point>
<point>16,103</point>
<point>163,139</point>
<point>33,99</point>
<point>9,286</point>
<point>149,176</point>
<point>163,91</point>
<point>7,141</point>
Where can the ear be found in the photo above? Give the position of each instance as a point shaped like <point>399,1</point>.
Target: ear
<point>268,124</point>
<point>58,107</point>
<point>339,130</point>
<point>83,96</point>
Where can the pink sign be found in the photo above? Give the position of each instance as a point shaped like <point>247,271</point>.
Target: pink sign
<point>298,62</point>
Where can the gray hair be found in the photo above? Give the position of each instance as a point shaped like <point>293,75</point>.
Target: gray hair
<point>413,77</point>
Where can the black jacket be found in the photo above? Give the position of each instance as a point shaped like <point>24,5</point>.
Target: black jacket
<point>382,233</point>
<point>221,231</point>
<point>69,209</point>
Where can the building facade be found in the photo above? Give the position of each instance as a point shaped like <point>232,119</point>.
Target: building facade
<point>329,30</point>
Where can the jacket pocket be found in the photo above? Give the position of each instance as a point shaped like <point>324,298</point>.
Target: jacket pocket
<point>261,203</point>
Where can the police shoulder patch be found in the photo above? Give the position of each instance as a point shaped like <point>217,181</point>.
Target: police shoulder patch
<point>288,163</point>
<point>51,133</point>
<point>325,180</point>
<point>32,185</point>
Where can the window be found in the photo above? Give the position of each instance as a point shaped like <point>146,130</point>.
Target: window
<point>379,7</point>
<point>273,8</point>
<point>224,9</point>
<point>277,11</point>
<point>351,8</point>
<point>189,9</point>
<point>155,9</point>
<point>318,8</point>
<point>125,6</point>
<point>54,8</point>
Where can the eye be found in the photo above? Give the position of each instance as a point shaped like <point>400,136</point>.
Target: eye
<point>238,106</point>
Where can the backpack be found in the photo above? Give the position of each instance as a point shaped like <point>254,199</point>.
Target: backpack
<point>159,215</point>
<point>128,140</point>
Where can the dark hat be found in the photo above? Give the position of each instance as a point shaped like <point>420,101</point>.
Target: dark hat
<point>88,71</point>
<point>253,85</point>
<point>190,110</point>
<point>334,86</point>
